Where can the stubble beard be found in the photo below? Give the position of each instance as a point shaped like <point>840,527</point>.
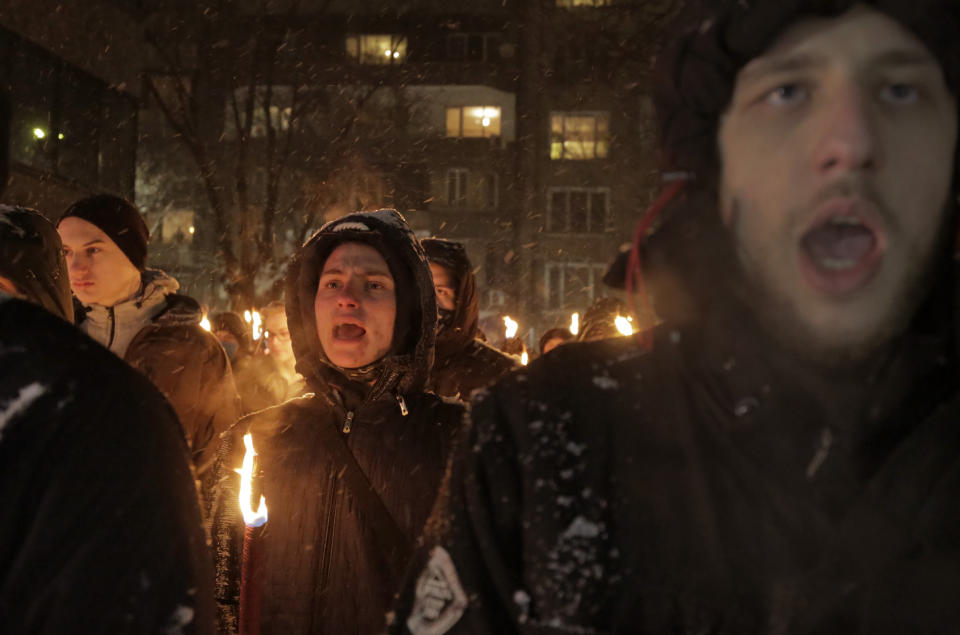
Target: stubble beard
<point>780,314</point>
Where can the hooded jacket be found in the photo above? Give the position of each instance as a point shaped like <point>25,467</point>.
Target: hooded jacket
<point>328,567</point>
<point>158,332</point>
<point>100,529</point>
<point>31,256</point>
<point>717,482</point>
<point>463,362</point>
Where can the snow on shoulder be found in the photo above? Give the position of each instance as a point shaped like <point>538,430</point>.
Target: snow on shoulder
<point>16,406</point>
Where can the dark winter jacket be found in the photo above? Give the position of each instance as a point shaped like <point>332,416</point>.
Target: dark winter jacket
<point>100,529</point>
<point>330,565</point>
<point>184,361</point>
<point>708,486</point>
<point>31,256</point>
<point>463,362</point>
<point>717,483</point>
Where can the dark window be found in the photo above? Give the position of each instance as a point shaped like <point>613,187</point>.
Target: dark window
<point>572,286</point>
<point>32,91</point>
<point>472,47</point>
<point>78,134</point>
<point>491,191</point>
<point>557,218</point>
<point>475,48</point>
<point>118,143</point>
<point>67,122</point>
<point>598,211</point>
<point>577,210</point>
<point>555,287</point>
<point>492,265</point>
<point>457,187</point>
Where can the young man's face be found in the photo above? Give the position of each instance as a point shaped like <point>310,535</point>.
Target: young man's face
<point>277,334</point>
<point>443,283</point>
<point>355,306</point>
<point>837,153</point>
<point>100,273</point>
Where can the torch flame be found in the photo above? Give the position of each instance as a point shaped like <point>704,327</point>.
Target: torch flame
<point>624,325</point>
<point>575,323</point>
<point>524,358</point>
<point>255,318</point>
<point>511,326</point>
<point>246,317</point>
<point>251,518</point>
<point>205,323</point>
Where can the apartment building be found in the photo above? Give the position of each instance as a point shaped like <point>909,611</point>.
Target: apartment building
<point>74,104</point>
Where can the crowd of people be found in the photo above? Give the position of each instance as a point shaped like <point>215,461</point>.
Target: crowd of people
<point>778,455</point>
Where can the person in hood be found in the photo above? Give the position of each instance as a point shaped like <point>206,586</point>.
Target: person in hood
<point>95,537</point>
<point>783,458</point>
<point>463,363</point>
<point>31,261</point>
<point>137,313</point>
<point>552,338</point>
<point>349,471</point>
<point>255,376</point>
<point>232,333</point>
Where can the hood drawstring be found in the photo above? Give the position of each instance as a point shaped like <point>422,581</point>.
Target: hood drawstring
<point>634,279</point>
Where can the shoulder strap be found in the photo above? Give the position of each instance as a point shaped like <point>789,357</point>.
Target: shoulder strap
<point>392,540</point>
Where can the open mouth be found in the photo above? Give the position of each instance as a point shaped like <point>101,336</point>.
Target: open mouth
<point>842,251</point>
<point>348,332</point>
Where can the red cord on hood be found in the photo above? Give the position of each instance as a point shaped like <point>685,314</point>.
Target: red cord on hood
<point>634,279</point>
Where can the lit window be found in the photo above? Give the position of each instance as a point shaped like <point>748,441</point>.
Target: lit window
<point>575,135</point>
<point>577,210</point>
<point>377,49</point>
<point>572,285</point>
<point>473,121</point>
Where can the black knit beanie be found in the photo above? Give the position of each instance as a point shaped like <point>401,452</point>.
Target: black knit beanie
<point>119,220</point>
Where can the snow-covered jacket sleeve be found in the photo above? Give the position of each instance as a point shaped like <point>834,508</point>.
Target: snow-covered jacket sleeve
<point>100,527</point>
<point>466,577</point>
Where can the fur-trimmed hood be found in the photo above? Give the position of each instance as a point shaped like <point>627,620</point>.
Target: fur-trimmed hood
<point>405,368</point>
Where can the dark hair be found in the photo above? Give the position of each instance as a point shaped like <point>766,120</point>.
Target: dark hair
<point>697,73</point>
<point>4,140</point>
<point>556,333</point>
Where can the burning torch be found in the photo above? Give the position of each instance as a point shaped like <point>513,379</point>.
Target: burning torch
<point>251,571</point>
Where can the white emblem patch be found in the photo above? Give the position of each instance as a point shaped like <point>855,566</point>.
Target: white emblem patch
<point>439,601</point>
<point>351,225</point>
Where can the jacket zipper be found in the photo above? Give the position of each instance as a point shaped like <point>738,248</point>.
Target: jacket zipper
<point>347,423</point>
<point>327,553</point>
<point>113,327</point>
<point>403,405</point>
